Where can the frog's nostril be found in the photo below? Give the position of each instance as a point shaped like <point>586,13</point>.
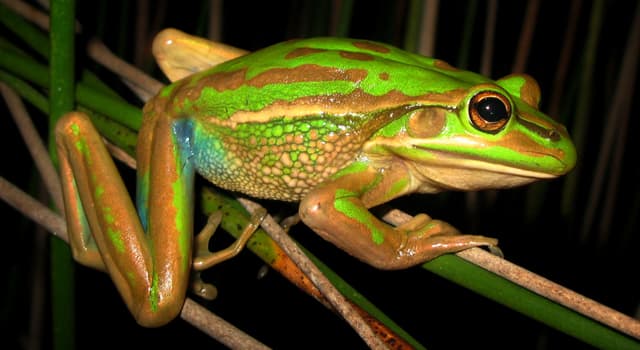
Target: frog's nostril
<point>553,135</point>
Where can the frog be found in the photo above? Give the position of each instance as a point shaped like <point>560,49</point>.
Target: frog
<point>338,125</point>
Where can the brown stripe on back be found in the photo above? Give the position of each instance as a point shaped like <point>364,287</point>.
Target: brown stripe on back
<point>303,51</point>
<point>222,81</point>
<point>369,46</point>
<point>358,56</point>
<point>306,73</point>
<point>356,102</point>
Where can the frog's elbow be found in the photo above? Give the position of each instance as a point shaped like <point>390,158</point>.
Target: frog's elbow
<point>310,209</point>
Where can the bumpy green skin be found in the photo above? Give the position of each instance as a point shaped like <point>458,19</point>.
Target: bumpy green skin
<point>278,122</point>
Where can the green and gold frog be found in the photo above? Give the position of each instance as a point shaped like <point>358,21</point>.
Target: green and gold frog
<point>338,125</point>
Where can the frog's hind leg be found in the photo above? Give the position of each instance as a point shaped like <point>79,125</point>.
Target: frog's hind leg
<point>83,245</point>
<point>205,259</point>
<point>98,212</point>
<point>150,269</point>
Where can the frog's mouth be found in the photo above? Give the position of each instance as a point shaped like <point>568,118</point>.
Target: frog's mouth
<point>454,160</point>
<point>461,171</point>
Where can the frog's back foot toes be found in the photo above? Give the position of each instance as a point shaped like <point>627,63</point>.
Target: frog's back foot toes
<point>495,250</point>
<point>289,222</point>
<point>202,289</point>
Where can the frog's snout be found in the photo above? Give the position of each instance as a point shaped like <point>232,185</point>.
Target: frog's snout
<point>553,135</point>
<point>567,148</point>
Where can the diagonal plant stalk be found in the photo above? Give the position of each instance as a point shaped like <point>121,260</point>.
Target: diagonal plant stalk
<point>581,120</point>
<point>340,18</point>
<point>329,292</point>
<point>613,140</point>
<point>526,35</point>
<point>428,30</point>
<point>562,68</point>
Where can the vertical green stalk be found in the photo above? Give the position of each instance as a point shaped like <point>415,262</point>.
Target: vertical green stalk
<point>344,18</point>
<point>467,34</point>
<point>61,100</point>
<point>580,125</point>
<point>412,31</point>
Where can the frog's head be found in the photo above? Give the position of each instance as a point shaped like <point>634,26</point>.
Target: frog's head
<point>494,137</point>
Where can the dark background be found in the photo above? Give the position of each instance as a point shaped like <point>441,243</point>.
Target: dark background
<point>436,312</point>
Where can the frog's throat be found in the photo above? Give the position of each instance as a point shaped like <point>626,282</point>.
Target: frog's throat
<point>442,170</point>
<point>470,175</point>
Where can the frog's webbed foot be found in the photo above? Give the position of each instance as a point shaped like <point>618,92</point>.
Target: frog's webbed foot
<point>495,250</point>
<point>201,288</point>
<point>204,258</point>
<point>415,223</point>
<point>201,241</point>
<point>435,237</point>
<point>201,249</point>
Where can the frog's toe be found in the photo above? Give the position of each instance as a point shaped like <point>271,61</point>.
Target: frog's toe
<point>202,289</point>
<point>289,222</point>
<point>201,242</point>
<point>415,223</point>
<point>495,250</point>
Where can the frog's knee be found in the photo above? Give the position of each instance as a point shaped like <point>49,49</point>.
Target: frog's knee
<point>157,313</point>
<point>69,121</point>
<point>72,124</point>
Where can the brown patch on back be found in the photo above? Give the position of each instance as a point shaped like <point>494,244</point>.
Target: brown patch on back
<point>366,45</point>
<point>358,56</point>
<point>444,65</point>
<point>384,76</point>
<point>306,73</point>
<point>222,81</point>
<point>303,51</point>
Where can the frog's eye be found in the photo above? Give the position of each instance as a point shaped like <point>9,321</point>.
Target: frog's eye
<point>489,111</point>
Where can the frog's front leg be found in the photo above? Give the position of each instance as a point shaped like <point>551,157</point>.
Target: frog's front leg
<point>338,211</point>
<point>149,260</point>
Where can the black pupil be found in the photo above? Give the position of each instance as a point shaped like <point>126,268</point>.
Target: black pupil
<point>492,109</point>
